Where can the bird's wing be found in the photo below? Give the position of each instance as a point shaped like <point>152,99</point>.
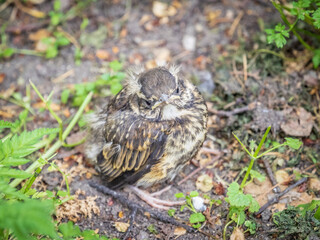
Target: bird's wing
<point>133,145</point>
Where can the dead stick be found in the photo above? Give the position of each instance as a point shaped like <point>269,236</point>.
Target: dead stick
<point>271,176</point>
<point>250,107</point>
<point>276,198</point>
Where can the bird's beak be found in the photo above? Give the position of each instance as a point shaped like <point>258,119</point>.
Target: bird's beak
<point>165,99</point>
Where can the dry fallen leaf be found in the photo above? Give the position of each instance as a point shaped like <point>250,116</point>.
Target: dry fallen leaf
<point>162,55</point>
<point>103,54</point>
<point>38,35</point>
<point>54,106</point>
<point>204,183</point>
<point>281,176</point>
<point>121,226</point>
<point>179,231</point>
<point>237,234</point>
<point>314,184</point>
<point>161,9</point>
<point>299,123</point>
<point>2,76</point>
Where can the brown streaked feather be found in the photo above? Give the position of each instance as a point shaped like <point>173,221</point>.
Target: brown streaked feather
<point>142,148</point>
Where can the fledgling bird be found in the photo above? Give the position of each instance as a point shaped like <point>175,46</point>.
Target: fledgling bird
<point>149,131</point>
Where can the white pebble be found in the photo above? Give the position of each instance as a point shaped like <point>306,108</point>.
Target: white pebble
<point>198,203</point>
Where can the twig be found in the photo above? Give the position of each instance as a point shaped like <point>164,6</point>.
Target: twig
<point>271,176</point>
<point>254,75</point>
<point>245,68</point>
<point>235,111</point>
<point>235,23</point>
<point>138,208</point>
<point>276,198</point>
<point>27,27</point>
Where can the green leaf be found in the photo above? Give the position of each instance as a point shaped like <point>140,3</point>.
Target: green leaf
<point>152,229</point>
<point>316,57</point>
<point>8,52</point>
<point>62,193</point>
<point>5,124</point>
<point>277,35</point>
<point>196,225</point>
<point>171,212</point>
<point>257,175</point>
<point>317,214</point>
<point>84,24</point>
<point>13,173</point>
<point>55,18</point>
<point>28,217</point>
<point>52,51</point>
<point>65,95</point>
<point>194,194</point>
<point>316,18</point>
<point>21,146</point>
<point>10,192</point>
<point>237,215</point>
<point>14,161</point>
<point>251,226</point>
<point>254,206</point>
<point>236,196</point>
<point>115,65</point>
<point>293,143</point>
<point>56,5</point>
<point>308,206</point>
<point>68,230</point>
<point>179,195</point>
<point>197,217</point>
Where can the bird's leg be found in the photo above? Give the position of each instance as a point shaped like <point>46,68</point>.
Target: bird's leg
<point>152,201</point>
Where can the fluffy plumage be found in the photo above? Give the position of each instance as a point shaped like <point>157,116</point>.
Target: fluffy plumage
<point>149,130</point>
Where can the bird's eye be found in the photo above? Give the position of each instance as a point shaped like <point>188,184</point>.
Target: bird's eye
<point>148,103</point>
<point>177,90</point>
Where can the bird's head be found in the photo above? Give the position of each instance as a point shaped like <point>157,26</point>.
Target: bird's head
<point>160,94</point>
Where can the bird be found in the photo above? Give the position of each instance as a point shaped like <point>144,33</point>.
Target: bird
<point>149,131</point>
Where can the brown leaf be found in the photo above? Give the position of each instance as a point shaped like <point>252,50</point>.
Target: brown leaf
<point>2,76</point>
<point>237,234</point>
<point>38,35</point>
<point>299,123</point>
<point>179,231</point>
<point>54,106</point>
<point>204,183</point>
<point>161,9</point>
<point>314,184</point>
<point>121,226</point>
<point>103,54</point>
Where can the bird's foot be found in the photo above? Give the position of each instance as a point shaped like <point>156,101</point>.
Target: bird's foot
<point>154,202</point>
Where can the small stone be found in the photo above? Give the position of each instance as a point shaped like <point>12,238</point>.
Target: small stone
<point>198,203</point>
<point>189,42</point>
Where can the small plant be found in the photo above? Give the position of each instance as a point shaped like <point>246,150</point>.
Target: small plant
<point>306,11</point>
<point>240,202</point>
<point>70,231</point>
<point>112,79</point>
<point>26,213</point>
<point>196,218</point>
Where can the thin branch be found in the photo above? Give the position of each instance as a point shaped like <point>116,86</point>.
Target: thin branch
<point>276,198</point>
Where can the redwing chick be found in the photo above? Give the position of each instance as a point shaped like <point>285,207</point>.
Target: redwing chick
<point>149,130</point>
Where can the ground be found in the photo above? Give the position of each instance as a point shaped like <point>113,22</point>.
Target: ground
<point>215,44</point>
